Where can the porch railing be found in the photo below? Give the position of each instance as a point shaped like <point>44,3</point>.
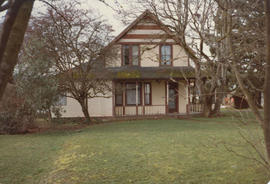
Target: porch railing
<point>140,110</point>
<point>192,108</point>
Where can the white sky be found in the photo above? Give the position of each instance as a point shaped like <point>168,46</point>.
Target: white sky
<point>98,7</point>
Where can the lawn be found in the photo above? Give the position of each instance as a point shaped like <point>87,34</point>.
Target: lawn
<point>149,151</point>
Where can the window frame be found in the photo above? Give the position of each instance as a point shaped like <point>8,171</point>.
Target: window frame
<point>62,100</point>
<point>139,92</point>
<point>150,94</point>
<point>130,55</point>
<point>122,94</point>
<point>160,54</point>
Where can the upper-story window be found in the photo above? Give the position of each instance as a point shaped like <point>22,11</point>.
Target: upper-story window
<point>165,55</point>
<point>130,55</point>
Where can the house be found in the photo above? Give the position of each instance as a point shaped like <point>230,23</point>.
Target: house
<point>151,75</point>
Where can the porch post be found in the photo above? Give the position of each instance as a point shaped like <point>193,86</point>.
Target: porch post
<point>143,102</point>
<point>166,97</point>
<point>136,98</point>
<point>124,98</point>
<point>188,105</point>
<point>113,98</point>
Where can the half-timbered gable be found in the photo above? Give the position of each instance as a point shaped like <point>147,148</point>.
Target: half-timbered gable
<point>145,43</point>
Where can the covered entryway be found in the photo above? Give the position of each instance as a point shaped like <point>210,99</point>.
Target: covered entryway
<point>173,97</point>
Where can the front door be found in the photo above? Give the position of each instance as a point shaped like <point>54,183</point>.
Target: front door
<point>173,98</point>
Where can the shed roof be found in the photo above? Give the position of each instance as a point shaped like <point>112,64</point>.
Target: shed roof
<point>164,72</point>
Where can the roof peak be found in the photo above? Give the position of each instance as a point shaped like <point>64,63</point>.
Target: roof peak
<point>136,21</point>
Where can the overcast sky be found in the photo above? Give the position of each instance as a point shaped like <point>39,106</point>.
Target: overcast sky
<point>97,6</point>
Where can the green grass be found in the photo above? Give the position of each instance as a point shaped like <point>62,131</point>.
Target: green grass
<point>149,151</point>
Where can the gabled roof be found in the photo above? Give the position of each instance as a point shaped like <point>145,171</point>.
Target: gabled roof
<point>145,14</point>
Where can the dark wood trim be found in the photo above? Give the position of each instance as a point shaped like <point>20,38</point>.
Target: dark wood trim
<point>146,79</point>
<point>130,62</point>
<point>137,87</point>
<point>150,93</point>
<point>165,44</point>
<point>148,27</point>
<point>113,98</point>
<point>143,100</point>
<point>117,82</point>
<point>147,43</point>
<point>188,105</point>
<point>177,99</point>
<point>147,13</point>
<point>171,55</point>
<point>139,55</point>
<point>124,98</point>
<point>130,55</point>
<point>122,60</point>
<point>145,36</point>
<point>166,103</point>
<point>188,91</point>
<point>159,54</point>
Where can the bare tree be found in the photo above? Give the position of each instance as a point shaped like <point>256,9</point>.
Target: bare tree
<point>76,38</point>
<point>245,23</point>
<point>266,121</point>
<point>12,33</point>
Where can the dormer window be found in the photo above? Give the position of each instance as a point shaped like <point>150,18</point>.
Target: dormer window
<point>166,55</point>
<point>130,55</point>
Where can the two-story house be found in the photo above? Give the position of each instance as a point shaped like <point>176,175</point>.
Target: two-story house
<point>151,75</point>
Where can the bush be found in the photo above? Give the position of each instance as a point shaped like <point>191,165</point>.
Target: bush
<point>15,115</point>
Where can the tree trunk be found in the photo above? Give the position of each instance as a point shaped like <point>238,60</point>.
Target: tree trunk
<point>11,38</point>
<point>266,122</point>
<point>49,112</point>
<point>207,106</point>
<point>84,105</point>
<point>218,102</point>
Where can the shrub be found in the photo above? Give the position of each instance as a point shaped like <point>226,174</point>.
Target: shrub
<point>15,115</point>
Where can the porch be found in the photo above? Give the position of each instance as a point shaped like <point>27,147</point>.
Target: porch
<point>153,98</point>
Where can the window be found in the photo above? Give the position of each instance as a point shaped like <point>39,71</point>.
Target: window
<point>147,94</point>
<point>125,54</point>
<point>131,94</point>
<point>118,94</point>
<point>130,55</point>
<point>165,55</point>
<point>135,55</point>
<point>62,100</point>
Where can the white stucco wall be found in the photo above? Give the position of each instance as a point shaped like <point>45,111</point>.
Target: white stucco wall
<point>115,61</point>
<point>97,107</point>
<point>102,107</point>
<point>72,109</point>
<point>179,56</point>
<point>158,93</point>
<point>183,96</point>
<point>149,55</point>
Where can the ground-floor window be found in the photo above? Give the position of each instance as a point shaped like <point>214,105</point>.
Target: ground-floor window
<point>119,94</point>
<point>147,94</point>
<point>131,93</point>
<point>62,100</point>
